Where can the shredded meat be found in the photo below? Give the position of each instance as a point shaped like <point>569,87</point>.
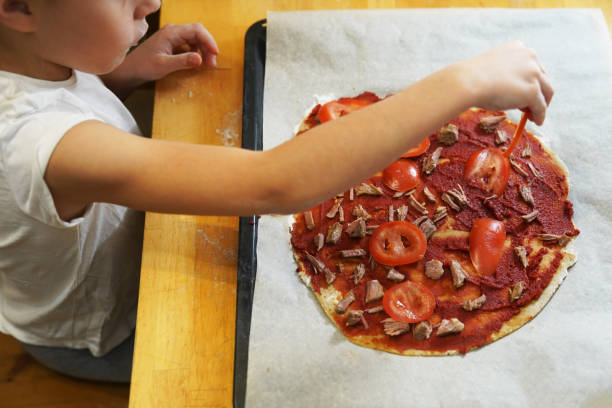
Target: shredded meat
<point>346,301</point>
<point>334,210</point>
<point>419,220</point>
<point>340,267</point>
<point>316,263</point>
<point>534,170</point>
<point>458,196</point>
<point>434,269</point>
<point>449,200</point>
<point>531,216</point>
<point>404,193</point>
<point>429,195</point>
<point>517,291</point>
<point>526,151</point>
<point>329,276</point>
<point>402,213</point>
<point>521,254</point>
<point>395,276</point>
<point>351,194</point>
<point>526,194</point>
<point>368,189</point>
<point>370,229</point>
<point>374,291</point>
<point>308,220</point>
<point>375,309</point>
<point>490,123</point>
<point>440,214</point>
<point>501,137</point>
<point>562,240</point>
<point>422,330</point>
<point>458,273</point>
<point>394,328</point>
<point>319,241</point>
<point>372,263</point>
<point>430,162</point>
<point>516,166</point>
<point>357,228</point>
<point>355,317</point>
<point>451,326</point>
<point>349,253</point>
<point>360,212</point>
<point>358,273</point>
<point>491,197</point>
<point>474,304</point>
<point>341,214</point>
<point>391,213</point>
<point>448,135</point>
<point>455,198</point>
<point>549,237</point>
<point>420,207</point>
<point>428,228</point>
<point>333,233</point>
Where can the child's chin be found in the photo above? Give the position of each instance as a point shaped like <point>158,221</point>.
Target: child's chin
<point>110,67</point>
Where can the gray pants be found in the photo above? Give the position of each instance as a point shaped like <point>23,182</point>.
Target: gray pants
<point>115,366</point>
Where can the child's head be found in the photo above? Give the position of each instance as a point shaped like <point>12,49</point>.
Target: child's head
<point>88,35</point>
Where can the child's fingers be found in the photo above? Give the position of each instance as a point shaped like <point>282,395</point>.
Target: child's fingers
<point>537,106</point>
<point>187,60</point>
<point>210,60</point>
<point>196,36</point>
<point>205,40</point>
<point>547,88</point>
<point>193,34</point>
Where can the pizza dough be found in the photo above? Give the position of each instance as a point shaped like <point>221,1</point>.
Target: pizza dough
<point>537,251</point>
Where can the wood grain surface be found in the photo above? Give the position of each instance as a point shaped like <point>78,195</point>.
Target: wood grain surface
<point>186,312</point>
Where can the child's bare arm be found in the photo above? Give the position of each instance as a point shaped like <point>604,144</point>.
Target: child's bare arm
<point>96,162</point>
<point>162,54</point>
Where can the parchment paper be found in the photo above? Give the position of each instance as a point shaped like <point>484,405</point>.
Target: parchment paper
<point>563,358</point>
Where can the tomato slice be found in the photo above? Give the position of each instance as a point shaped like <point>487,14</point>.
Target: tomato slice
<point>489,170</point>
<point>335,109</point>
<point>402,175</point>
<point>418,149</point>
<point>397,243</point>
<point>409,302</point>
<point>486,245</point>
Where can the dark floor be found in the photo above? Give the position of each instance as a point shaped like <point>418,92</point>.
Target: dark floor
<point>25,383</point>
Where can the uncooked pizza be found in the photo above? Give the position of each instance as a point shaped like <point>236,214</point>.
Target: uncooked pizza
<point>450,247</point>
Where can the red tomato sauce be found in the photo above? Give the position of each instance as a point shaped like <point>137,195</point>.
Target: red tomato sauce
<point>555,212</point>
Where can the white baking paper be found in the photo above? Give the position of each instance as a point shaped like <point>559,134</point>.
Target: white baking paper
<point>563,358</point>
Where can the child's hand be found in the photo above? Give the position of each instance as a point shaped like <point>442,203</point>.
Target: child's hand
<point>161,54</point>
<point>507,77</point>
<point>173,48</point>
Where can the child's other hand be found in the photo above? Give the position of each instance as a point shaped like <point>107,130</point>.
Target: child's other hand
<point>507,77</point>
<point>166,51</point>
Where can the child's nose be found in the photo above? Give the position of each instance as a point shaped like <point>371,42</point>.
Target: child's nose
<point>145,8</point>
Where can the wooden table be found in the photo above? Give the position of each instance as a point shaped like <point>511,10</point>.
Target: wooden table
<point>184,353</point>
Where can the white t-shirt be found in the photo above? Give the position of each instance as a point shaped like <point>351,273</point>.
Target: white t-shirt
<point>64,284</point>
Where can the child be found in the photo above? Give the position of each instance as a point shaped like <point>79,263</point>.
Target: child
<point>71,164</point>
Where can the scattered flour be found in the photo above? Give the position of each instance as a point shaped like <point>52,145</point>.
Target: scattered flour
<point>229,133</point>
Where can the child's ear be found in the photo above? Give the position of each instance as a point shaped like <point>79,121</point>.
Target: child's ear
<point>16,14</point>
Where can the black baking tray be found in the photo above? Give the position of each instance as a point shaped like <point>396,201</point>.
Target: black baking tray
<point>252,138</point>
